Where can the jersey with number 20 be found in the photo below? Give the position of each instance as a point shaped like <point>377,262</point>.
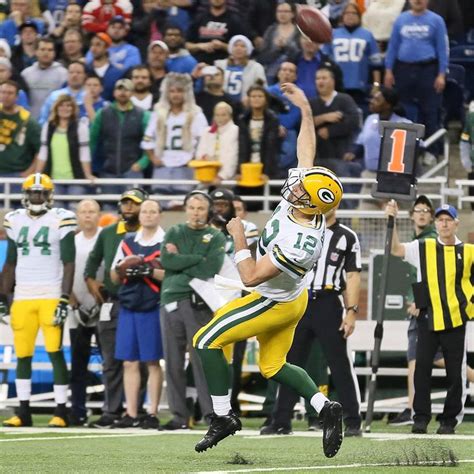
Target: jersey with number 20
<point>293,248</point>
<point>39,269</point>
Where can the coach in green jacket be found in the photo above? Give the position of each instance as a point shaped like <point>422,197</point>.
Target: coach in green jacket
<point>190,250</point>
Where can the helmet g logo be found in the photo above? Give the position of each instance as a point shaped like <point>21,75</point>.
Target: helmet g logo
<point>326,195</point>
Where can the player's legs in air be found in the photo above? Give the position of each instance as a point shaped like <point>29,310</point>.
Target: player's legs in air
<point>274,325</point>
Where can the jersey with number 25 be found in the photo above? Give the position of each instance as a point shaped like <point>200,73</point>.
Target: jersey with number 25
<point>39,269</point>
<point>293,248</point>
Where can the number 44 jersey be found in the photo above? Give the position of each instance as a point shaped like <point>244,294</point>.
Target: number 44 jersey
<point>293,248</point>
<point>39,269</point>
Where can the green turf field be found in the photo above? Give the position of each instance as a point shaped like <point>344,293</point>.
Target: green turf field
<point>85,450</point>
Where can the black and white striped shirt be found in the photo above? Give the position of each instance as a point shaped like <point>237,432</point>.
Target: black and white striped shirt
<point>340,254</point>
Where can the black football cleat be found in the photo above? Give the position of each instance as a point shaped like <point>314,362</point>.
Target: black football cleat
<point>220,428</point>
<point>331,415</point>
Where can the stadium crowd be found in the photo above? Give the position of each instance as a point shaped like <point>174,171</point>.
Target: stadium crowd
<point>132,89</point>
<point>145,77</point>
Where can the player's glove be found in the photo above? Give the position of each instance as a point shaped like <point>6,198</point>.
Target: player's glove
<point>61,312</point>
<point>140,271</point>
<point>4,309</point>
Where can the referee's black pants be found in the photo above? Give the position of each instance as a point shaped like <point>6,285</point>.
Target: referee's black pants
<point>322,320</point>
<point>453,346</point>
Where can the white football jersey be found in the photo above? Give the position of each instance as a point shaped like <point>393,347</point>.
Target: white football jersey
<point>39,269</point>
<point>294,248</point>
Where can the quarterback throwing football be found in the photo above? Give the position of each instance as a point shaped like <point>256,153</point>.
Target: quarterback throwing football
<point>287,249</point>
<point>40,262</point>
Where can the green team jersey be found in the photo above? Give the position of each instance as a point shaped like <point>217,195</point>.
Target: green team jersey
<point>19,140</point>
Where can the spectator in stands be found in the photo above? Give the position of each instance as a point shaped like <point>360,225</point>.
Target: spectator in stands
<point>308,62</point>
<point>20,11</point>
<point>24,54</point>
<point>73,44</point>
<point>19,135</point>
<point>280,41</point>
<point>193,249</point>
<point>179,58</point>
<point>240,72</point>
<point>101,64</point>
<point>84,316</point>
<point>105,291</point>
<point>76,77</point>
<point>156,60</point>
<point>379,18</point>
<point>5,75</point>
<point>210,32</point>
<point>97,14</point>
<point>336,119</point>
<point>45,76</point>
<point>451,14</point>
<point>416,63</point>
<point>64,152</point>
<point>71,20</point>
<point>117,131</point>
<point>383,106</point>
<point>289,120</point>
<point>93,100</point>
<point>5,50</point>
<point>467,147</point>
<point>213,92</point>
<point>173,133</point>
<point>258,133</point>
<point>260,16</point>
<point>142,96</point>
<point>356,52</point>
<point>138,336</point>
<point>334,10</point>
<point>122,54</point>
<point>220,142</point>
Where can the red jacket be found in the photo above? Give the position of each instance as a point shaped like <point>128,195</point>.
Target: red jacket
<point>97,14</point>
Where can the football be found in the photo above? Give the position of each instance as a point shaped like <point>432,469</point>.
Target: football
<point>128,262</point>
<point>313,24</point>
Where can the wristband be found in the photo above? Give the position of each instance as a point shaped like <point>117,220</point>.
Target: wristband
<point>241,255</point>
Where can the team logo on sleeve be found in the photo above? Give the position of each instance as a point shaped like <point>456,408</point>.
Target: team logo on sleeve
<point>326,195</point>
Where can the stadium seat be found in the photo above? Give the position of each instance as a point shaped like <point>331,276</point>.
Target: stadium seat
<point>455,94</point>
<point>464,55</point>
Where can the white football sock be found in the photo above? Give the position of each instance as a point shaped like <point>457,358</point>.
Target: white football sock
<point>23,389</point>
<point>317,401</point>
<point>221,404</point>
<point>60,393</point>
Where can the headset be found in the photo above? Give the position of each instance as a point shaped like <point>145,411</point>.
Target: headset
<point>198,192</point>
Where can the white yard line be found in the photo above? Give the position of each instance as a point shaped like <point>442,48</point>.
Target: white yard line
<point>341,466</point>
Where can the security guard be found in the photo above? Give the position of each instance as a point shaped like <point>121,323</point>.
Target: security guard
<point>443,294</point>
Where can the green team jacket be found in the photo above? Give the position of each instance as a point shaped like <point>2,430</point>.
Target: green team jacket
<point>104,250</point>
<point>200,255</point>
<point>428,233</point>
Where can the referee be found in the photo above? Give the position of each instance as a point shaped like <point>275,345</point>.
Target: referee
<point>336,273</point>
<point>444,295</point>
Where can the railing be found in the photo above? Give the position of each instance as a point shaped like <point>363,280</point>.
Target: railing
<point>463,194</point>
<point>271,189</point>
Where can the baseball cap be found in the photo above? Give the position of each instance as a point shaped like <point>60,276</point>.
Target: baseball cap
<point>105,38</point>
<point>159,43</point>
<point>135,195</point>
<point>125,84</point>
<point>422,199</point>
<point>222,193</point>
<point>117,19</point>
<point>447,209</point>
<point>28,24</point>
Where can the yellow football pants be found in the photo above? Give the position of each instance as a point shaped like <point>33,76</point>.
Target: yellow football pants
<point>271,321</point>
<point>27,316</point>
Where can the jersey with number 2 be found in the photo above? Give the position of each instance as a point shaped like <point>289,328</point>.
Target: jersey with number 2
<point>39,269</point>
<point>293,248</point>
